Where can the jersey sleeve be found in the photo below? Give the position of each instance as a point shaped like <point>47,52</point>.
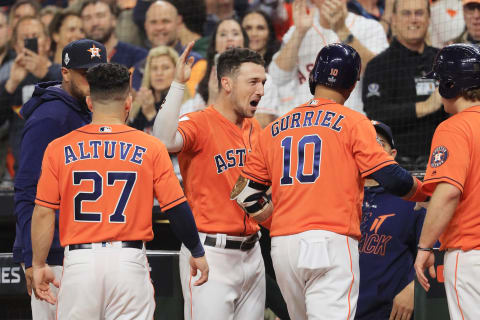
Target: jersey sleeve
<point>48,191</point>
<point>368,154</point>
<point>165,183</point>
<point>255,167</point>
<point>190,131</point>
<point>449,160</point>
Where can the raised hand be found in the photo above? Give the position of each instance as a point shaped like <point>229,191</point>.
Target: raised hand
<point>335,12</point>
<point>36,64</point>
<point>302,16</point>
<point>184,65</point>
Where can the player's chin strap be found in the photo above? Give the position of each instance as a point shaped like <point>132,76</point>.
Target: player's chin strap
<point>251,196</point>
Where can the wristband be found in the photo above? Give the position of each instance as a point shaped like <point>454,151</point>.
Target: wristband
<point>425,249</point>
<point>418,196</point>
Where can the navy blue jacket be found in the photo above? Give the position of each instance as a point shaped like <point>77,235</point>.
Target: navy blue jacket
<point>49,114</point>
<point>388,247</point>
<point>127,54</point>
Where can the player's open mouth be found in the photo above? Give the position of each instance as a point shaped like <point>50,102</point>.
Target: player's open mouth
<point>254,103</point>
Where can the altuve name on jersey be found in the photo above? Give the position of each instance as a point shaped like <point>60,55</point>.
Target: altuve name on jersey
<point>105,149</point>
<point>315,118</point>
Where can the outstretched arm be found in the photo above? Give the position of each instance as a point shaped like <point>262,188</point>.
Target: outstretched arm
<point>166,122</point>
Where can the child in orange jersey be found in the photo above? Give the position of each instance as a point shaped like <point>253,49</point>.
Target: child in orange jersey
<point>102,177</point>
<point>453,180</point>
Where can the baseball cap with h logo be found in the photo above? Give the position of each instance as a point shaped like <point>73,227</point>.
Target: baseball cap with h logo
<point>83,54</point>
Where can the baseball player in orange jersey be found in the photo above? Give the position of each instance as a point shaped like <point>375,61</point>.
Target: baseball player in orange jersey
<point>315,159</point>
<point>103,177</point>
<point>213,145</point>
<point>453,179</point>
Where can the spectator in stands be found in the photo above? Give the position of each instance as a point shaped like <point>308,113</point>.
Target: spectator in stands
<point>390,230</point>
<point>23,8</point>
<point>47,13</point>
<point>194,15</point>
<point>325,23</point>
<point>471,15</point>
<point>380,10</point>
<point>65,27</point>
<point>229,34</point>
<point>274,9</point>
<point>394,90</point>
<point>99,22</point>
<point>261,35</point>
<point>162,23</point>
<point>216,11</point>
<point>159,74</point>
<point>6,54</point>
<point>446,22</point>
<point>27,69</point>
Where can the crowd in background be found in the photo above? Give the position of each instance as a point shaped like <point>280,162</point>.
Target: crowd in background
<point>397,41</point>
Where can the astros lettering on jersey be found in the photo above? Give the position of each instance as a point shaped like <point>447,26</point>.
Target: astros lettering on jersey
<point>210,164</point>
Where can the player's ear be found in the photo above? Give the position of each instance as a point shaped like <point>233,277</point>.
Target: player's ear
<point>393,153</point>
<point>226,84</point>
<point>128,103</point>
<point>65,74</point>
<point>88,99</point>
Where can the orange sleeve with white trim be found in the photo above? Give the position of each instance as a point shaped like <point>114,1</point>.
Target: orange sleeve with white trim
<point>367,152</point>
<point>449,159</point>
<point>191,133</point>
<point>165,183</point>
<point>256,167</point>
<point>48,194</point>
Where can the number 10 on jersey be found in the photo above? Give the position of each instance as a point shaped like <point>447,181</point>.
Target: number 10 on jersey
<point>299,171</point>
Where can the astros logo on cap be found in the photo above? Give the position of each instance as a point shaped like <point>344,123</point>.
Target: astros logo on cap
<point>94,51</point>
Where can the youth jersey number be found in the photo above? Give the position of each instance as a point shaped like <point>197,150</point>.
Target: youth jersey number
<point>118,215</point>
<point>287,159</point>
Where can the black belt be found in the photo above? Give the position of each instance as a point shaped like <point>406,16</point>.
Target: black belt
<point>243,245</point>
<point>138,244</point>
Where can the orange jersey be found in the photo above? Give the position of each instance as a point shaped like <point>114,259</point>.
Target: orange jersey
<point>315,158</point>
<point>455,154</point>
<point>214,150</point>
<point>103,179</point>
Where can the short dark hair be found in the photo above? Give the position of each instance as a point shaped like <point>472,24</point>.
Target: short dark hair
<point>57,22</point>
<point>230,61</point>
<point>34,4</point>
<point>111,5</point>
<point>395,4</point>
<point>108,81</point>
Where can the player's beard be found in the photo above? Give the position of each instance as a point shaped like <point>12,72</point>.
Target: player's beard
<point>79,96</point>
<point>105,37</point>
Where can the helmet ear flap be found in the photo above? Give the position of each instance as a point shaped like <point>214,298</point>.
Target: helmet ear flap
<point>448,89</point>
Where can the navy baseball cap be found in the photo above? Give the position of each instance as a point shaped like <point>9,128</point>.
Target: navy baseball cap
<point>385,131</point>
<point>83,54</point>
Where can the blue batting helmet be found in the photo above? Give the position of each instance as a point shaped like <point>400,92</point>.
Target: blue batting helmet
<point>457,68</point>
<point>337,66</point>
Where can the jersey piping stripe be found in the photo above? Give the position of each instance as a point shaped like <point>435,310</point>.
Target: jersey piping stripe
<point>255,177</point>
<point>456,292</point>
<point>182,197</point>
<point>52,203</point>
<point>315,105</point>
<point>353,278</point>
<point>250,136</point>
<point>378,165</point>
<point>106,133</point>
<point>191,297</point>
<point>184,137</point>
<point>59,288</point>
<point>445,178</point>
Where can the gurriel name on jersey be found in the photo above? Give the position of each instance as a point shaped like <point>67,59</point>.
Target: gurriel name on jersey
<point>106,149</point>
<point>320,118</point>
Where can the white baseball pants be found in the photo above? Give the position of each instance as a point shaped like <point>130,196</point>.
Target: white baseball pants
<point>235,289</point>
<point>105,282</point>
<point>318,274</point>
<point>461,270</point>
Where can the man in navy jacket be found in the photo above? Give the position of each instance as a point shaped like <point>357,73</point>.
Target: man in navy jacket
<point>55,109</point>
